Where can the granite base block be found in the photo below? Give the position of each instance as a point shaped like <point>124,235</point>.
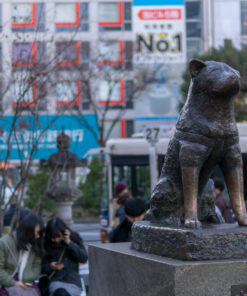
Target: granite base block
<point>117,270</point>
<point>225,241</point>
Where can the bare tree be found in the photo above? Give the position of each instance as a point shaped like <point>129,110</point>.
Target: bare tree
<point>24,97</point>
<point>72,71</point>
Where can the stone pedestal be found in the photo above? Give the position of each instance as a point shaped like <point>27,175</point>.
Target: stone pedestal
<point>64,211</point>
<point>116,270</point>
<point>212,241</point>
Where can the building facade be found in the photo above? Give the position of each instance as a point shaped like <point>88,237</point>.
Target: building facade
<point>63,56</point>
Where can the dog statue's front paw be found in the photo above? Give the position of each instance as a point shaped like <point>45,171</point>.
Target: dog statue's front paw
<point>242,220</point>
<point>192,223</point>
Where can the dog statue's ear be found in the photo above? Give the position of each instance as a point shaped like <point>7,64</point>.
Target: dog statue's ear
<point>195,65</point>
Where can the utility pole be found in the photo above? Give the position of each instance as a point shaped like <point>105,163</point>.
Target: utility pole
<point>151,135</point>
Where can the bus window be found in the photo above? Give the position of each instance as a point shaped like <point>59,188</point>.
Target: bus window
<point>136,177</point>
<point>123,174</point>
<point>143,182</point>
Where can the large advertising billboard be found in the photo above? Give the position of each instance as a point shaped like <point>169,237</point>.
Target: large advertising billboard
<point>159,31</point>
<point>160,55</point>
<point>20,136</point>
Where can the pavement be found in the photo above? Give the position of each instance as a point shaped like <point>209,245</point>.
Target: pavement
<point>89,230</point>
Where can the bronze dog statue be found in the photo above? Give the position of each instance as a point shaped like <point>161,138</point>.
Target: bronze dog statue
<point>206,135</point>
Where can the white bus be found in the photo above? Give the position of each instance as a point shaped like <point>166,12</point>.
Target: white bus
<point>128,161</point>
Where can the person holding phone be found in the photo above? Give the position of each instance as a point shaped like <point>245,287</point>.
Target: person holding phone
<point>64,251</point>
<point>20,258</point>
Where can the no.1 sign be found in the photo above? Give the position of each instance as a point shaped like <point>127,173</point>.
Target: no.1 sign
<point>159,29</point>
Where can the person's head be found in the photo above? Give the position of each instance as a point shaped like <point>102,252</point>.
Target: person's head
<point>30,232</point>
<point>120,188</point>
<point>55,230</point>
<point>219,185</point>
<point>135,209</point>
<point>123,198</point>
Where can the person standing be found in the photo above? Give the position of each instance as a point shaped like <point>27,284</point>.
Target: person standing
<point>221,201</point>
<point>134,211</point>
<point>121,194</point>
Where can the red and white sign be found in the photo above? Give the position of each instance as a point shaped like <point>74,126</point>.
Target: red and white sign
<point>159,32</point>
<point>160,14</point>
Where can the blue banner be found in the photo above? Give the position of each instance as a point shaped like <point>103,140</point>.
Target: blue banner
<point>40,135</point>
<point>157,2</point>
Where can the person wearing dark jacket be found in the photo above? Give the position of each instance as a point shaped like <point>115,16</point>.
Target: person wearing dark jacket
<point>64,251</point>
<point>221,201</point>
<point>134,211</point>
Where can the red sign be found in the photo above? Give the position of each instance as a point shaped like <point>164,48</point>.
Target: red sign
<point>160,14</point>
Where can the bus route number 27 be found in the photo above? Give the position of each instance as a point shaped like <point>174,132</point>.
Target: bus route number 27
<point>152,134</point>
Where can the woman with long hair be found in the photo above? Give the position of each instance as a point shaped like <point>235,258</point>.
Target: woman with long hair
<point>64,251</point>
<point>20,257</point>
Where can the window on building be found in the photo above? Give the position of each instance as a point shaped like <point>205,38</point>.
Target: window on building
<point>114,16</point>
<point>244,18</point>
<point>67,13</point>
<point>194,47</point>
<point>68,93</point>
<point>129,128</point>
<point>28,17</point>
<point>115,132</point>
<point>71,16</point>
<point>128,54</point>
<point>193,10</point>
<point>122,128</point>
<point>111,52</point>
<point>115,54</point>
<point>110,13</point>
<point>24,54</point>
<point>28,54</point>
<point>194,29</point>
<point>128,91</point>
<point>23,13</point>
<point>85,53</point>
<point>111,92</point>
<point>24,93</point>
<point>73,53</point>
<point>85,95</point>
<point>68,53</point>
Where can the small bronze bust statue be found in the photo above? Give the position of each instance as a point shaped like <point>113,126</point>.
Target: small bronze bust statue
<point>206,135</point>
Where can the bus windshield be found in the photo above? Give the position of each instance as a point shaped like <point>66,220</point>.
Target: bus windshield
<point>137,177</point>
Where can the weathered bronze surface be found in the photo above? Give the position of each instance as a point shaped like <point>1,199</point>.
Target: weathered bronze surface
<point>225,241</point>
<point>206,135</point>
<point>239,290</point>
<point>206,204</point>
